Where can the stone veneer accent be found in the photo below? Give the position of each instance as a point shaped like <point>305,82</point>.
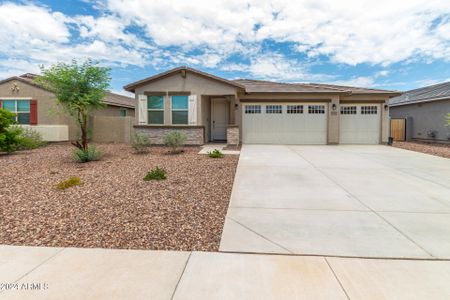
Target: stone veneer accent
<point>233,135</point>
<point>195,135</point>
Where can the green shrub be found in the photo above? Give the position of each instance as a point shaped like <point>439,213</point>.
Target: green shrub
<point>175,140</point>
<point>140,143</point>
<point>30,139</point>
<point>215,154</point>
<point>9,135</point>
<point>72,181</point>
<point>156,174</point>
<point>83,156</point>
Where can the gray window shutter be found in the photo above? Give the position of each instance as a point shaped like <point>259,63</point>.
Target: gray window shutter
<point>192,110</point>
<point>142,110</point>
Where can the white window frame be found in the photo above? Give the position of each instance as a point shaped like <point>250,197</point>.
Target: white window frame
<point>274,109</point>
<point>252,109</point>
<point>16,112</point>
<point>369,110</point>
<point>295,109</point>
<point>316,109</point>
<point>349,110</point>
<point>156,109</point>
<point>178,109</point>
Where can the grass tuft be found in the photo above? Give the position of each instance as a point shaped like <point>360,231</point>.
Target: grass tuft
<point>72,181</point>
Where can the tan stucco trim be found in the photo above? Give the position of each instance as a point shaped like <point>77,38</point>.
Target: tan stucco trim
<point>285,100</point>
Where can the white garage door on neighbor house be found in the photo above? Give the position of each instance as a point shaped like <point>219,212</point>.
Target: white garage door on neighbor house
<point>359,124</point>
<point>288,123</point>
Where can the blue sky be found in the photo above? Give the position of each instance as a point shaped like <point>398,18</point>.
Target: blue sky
<point>382,44</point>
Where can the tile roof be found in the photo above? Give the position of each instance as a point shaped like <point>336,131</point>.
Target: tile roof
<point>356,90</point>
<point>119,100</point>
<point>429,93</point>
<point>261,86</point>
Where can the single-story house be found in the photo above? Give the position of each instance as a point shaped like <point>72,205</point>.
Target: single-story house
<point>209,108</point>
<point>37,107</point>
<point>425,110</point>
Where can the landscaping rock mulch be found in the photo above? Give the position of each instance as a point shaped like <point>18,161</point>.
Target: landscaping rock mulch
<point>442,150</point>
<point>114,207</point>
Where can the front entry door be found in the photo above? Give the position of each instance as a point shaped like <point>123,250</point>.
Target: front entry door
<point>219,119</point>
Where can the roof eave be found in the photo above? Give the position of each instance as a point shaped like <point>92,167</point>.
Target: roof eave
<point>132,86</point>
<point>420,101</point>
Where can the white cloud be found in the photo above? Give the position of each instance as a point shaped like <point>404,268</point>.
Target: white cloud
<point>30,23</point>
<point>359,81</point>
<point>275,66</point>
<point>347,31</point>
<point>207,33</point>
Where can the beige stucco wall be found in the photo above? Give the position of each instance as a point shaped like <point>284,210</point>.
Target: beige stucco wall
<point>49,113</point>
<point>46,101</point>
<point>193,83</point>
<point>112,129</point>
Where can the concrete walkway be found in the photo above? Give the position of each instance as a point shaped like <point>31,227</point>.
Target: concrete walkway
<point>359,201</point>
<point>57,273</point>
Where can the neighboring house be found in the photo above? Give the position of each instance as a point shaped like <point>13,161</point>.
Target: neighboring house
<point>209,108</point>
<point>425,111</point>
<point>37,107</point>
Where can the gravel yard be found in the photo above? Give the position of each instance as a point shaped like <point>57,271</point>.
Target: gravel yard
<point>114,207</point>
<point>442,150</point>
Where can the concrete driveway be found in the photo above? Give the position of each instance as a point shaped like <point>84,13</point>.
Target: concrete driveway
<point>362,201</point>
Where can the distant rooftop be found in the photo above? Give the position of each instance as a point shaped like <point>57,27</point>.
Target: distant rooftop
<point>110,99</point>
<point>434,92</point>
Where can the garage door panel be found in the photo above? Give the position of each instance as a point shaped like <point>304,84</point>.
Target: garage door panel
<point>284,128</point>
<point>360,124</point>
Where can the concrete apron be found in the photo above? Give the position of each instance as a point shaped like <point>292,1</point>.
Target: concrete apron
<point>351,201</point>
<point>70,273</point>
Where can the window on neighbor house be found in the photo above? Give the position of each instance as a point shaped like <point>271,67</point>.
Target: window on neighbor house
<point>155,107</point>
<point>122,113</point>
<point>20,107</point>
<point>180,109</point>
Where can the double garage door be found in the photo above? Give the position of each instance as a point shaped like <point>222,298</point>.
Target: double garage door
<point>306,123</point>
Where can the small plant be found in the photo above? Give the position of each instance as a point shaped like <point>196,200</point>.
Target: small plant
<point>175,140</point>
<point>30,139</point>
<point>156,174</point>
<point>432,133</point>
<point>215,154</point>
<point>72,181</point>
<point>90,154</point>
<point>140,143</point>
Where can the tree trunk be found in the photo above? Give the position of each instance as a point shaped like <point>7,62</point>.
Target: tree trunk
<point>84,133</point>
<point>82,119</point>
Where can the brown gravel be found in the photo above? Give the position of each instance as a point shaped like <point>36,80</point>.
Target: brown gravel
<point>115,207</point>
<point>442,150</point>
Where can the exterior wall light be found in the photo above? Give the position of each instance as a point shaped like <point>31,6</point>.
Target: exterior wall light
<point>183,73</point>
<point>386,107</point>
<point>334,106</point>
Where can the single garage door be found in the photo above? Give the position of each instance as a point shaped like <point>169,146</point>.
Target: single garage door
<point>289,123</point>
<point>360,124</point>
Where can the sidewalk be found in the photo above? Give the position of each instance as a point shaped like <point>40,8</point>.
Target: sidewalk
<point>69,273</point>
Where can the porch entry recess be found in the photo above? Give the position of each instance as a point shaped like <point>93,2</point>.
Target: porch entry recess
<point>219,119</point>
